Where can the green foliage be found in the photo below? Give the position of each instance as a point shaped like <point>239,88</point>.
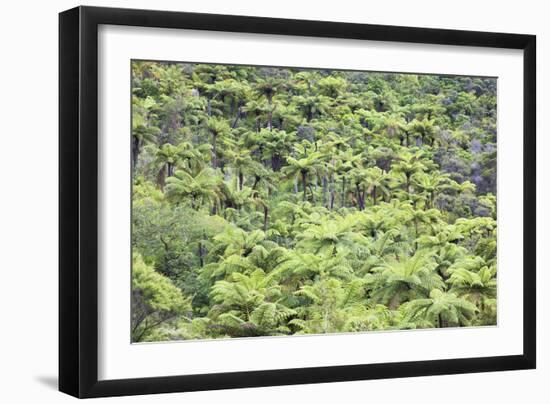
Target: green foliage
<point>279,201</point>
<point>248,305</point>
<point>156,300</point>
<point>441,309</point>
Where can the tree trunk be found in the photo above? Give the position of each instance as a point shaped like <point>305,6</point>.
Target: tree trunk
<point>214,152</point>
<point>161,178</point>
<point>332,192</point>
<point>241,180</point>
<point>270,119</point>
<point>343,192</point>
<point>324,191</point>
<point>394,302</point>
<point>276,161</point>
<point>257,179</point>
<point>258,123</point>
<point>201,254</point>
<point>304,183</point>
<point>266,213</point>
<point>135,152</point>
<point>237,117</point>
<point>359,197</point>
<point>374,196</point>
<point>314,189</point>
<point>312,194</point>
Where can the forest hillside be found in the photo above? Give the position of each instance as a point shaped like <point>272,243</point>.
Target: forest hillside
<point>280,201</point>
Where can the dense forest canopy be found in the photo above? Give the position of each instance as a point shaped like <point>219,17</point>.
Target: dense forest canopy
<point>280,201</point>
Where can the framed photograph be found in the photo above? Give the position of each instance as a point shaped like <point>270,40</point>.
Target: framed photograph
<point>251,201</point>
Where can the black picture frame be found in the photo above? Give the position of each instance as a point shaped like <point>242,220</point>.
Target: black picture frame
<point>78,201</point>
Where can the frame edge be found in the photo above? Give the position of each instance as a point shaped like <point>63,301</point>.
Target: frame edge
<point>69,80</point>
<point>78,289</point>
<point>529,201</point>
